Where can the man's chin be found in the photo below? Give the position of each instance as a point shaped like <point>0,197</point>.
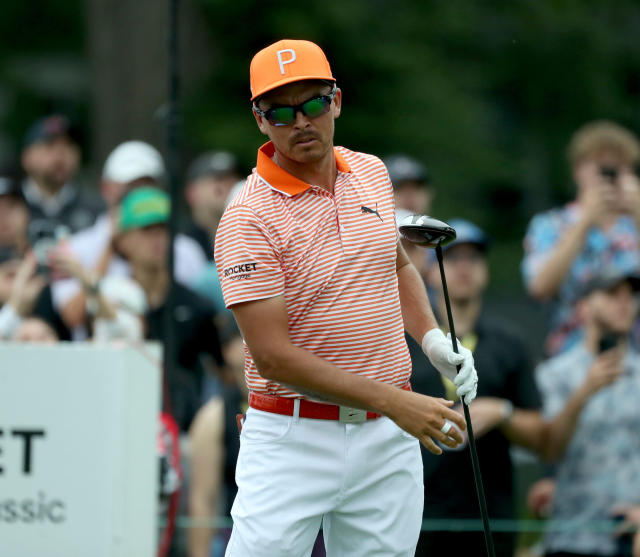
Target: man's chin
<point>54,183</point>
<point>311,153</point>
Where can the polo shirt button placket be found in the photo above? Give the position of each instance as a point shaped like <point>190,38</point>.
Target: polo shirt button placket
<point>341,228</point>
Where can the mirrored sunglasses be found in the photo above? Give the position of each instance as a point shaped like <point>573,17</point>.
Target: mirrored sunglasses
<point>286,115</point>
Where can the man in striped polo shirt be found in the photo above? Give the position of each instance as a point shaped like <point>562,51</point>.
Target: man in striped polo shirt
<point>310,264</point>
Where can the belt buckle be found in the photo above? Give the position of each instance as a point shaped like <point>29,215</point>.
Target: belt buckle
<point>352,415</point>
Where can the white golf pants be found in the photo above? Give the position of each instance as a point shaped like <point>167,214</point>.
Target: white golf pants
<point>361,482</point>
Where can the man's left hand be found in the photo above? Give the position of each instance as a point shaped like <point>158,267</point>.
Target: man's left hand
<point>438,349</point>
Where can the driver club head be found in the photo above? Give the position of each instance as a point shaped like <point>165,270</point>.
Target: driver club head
<point>426,231</point>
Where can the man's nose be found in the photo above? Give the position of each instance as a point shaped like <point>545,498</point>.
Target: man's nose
<point>301,120</point>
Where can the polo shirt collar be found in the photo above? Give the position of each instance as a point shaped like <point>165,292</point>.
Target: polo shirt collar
<point>279,179</point>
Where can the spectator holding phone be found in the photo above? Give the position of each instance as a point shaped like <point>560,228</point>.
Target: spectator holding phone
<point>590,396</point>
<point>567,245</point>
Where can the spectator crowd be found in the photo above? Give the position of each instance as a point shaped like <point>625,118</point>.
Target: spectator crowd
<point>81,263</point>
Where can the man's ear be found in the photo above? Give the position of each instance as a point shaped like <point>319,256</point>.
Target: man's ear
<point>337,101</point>
<point>26,158</point>
<point>262,124</point>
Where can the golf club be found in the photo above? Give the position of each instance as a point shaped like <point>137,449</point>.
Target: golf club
<point>432,233</point>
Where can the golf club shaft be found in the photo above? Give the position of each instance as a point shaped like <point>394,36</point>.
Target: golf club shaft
<point>488,538</point>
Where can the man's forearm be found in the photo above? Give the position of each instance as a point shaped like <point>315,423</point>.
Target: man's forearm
<point>527,429</point>
<point>311,375</point>
<point>75,310</point>
<point>563,425</point>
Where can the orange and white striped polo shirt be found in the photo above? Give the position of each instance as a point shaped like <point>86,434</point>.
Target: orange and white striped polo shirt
<point>332,257</point>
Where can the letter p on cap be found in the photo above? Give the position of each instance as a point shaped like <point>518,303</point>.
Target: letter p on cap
<point>269,67</point>
<point>282,61</point>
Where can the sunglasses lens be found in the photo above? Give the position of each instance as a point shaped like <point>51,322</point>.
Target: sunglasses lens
<point>316,107</point>
<point>281,116</point>
<point>285,115</point>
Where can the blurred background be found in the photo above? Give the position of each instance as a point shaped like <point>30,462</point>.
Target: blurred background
<point>485,94</point>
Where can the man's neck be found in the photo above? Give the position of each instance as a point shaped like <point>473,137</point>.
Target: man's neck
<point>321,173</point>
<point>465,314</point>
<point>155,283</point>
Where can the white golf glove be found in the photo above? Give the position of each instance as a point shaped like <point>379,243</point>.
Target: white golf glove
<point>438,349</point>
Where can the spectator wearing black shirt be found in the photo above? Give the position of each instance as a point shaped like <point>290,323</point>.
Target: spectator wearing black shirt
<point>215,444</point>
<point>209,181</point>
<point>143,241</point>
<point>51,158</point>
<point>506,411</point>
<point>413,193</point>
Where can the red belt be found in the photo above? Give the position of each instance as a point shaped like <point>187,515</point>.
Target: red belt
<point>310,409</point>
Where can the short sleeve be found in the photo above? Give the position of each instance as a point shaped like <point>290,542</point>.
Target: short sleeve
<point>247,257</point>
<point>541,237</point>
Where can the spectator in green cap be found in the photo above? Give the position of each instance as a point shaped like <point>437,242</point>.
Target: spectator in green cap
<point>144,207</point>
<point>143,241</point>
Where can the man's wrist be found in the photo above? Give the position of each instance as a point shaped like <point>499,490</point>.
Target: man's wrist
<point>430,337</point>
<point>387,400</point>
<point>506,411</point>
<point>91,285</point>
<point>585,222</point>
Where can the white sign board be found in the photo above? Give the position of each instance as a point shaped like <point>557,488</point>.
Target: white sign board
<point>78,464</point>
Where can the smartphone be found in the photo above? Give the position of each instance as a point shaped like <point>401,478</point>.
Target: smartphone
<point>610,173</point>
<point>607,342</point>
<point>41,250</point>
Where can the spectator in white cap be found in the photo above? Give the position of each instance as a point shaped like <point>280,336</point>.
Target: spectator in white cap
<point>130,164</point>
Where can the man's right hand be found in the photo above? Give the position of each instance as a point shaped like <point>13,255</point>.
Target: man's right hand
<point>423,417</point>
<point>540,497</point>
<point>27,286</point>
<point>598,202</point>
<point>606,368</point>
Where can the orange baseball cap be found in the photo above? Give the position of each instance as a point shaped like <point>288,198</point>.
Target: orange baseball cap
<point>285,62</point>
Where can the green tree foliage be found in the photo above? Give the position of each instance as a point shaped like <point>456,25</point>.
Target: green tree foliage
<point>39,43</point>
<point>486,93</point>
